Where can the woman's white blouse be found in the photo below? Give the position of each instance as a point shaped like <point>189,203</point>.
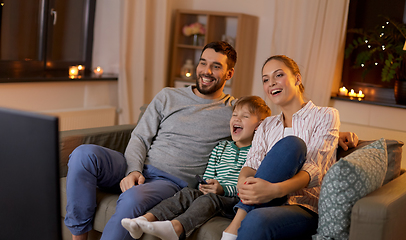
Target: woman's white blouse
<point>318,127</point>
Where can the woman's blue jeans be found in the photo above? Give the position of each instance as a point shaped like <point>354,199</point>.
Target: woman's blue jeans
<point>273,220</point>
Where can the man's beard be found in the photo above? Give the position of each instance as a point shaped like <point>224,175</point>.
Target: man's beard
<point>209,90</point>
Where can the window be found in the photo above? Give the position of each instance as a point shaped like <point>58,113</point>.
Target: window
<point>365,14</point>
<point>45,37</point>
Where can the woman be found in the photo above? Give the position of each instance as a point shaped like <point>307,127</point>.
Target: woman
<point>280,182</point>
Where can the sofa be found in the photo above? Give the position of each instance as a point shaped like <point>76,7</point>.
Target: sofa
<point>379,215</point>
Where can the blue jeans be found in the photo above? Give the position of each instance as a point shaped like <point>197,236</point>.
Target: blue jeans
<point>279,222</point>
<point>91,167</point>
<point>269,220</point>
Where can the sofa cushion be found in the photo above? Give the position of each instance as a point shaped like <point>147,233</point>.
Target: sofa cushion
<point>394,149</point>
<point>348,180</point>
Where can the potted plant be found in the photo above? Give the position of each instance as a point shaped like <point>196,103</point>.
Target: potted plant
<point>382,47</point>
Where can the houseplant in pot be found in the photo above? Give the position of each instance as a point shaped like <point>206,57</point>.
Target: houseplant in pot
<point>382,47</point>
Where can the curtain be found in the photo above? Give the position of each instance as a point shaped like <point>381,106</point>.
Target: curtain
<point>144,39</point>
<point>313,34</point>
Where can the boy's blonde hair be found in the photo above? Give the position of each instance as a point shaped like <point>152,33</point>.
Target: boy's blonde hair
<point>255,104</point>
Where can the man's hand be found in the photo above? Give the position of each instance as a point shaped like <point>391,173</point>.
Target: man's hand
<point>212,186</point>
<point>131,180</point>
<point>347,140</point>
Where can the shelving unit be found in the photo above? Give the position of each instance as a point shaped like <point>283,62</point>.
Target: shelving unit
<point>240,30</point>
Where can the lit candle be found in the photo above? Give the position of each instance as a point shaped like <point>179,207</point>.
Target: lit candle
<point>81,69</point>
<point>73,71</point>
<point>360,94</point>
<point>352,93</point>
<point>343,91</point>
<point>98,71</point>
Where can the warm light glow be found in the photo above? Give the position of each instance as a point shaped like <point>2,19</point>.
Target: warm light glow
<point>383,47</point>
<point>366,40</point>
<point>188,75</point>
<point>376,64</point>
<point>343,91</point>
<point>369,46</point>
<point>80,67</point>
<point>352,93</point>
<point>73,71</point>
<point>98,71</point>
<point>362,65</point>
<point>360,94</point>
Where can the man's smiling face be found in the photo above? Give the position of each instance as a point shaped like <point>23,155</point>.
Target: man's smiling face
<point>212,72</point>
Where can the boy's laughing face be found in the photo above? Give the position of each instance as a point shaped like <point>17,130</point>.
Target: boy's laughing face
<point>243,125</point>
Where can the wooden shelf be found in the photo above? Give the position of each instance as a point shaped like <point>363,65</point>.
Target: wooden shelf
<point>240,28</point>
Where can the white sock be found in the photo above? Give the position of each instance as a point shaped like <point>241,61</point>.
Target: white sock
<point>132,226</point>
<point>161,229</point>
<point>228,236</point>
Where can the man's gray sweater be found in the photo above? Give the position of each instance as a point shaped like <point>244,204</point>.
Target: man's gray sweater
<point>177,133</point>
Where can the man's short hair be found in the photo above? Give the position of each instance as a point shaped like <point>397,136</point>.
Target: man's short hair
<point>226,49</point>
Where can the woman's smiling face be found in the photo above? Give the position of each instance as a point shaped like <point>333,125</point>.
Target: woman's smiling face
<point>279,84</point>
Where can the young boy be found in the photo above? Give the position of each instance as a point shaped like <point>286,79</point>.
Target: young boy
<point>190,208</point>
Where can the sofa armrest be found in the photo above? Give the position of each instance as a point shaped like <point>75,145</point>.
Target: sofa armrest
<point>113,137</point>
<point>382,213</point>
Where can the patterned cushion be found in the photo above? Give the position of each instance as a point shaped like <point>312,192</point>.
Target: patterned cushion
<point>345,182</point>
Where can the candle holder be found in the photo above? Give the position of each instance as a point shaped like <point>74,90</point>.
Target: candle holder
<point>360,95</point>
<point>187,70</point>
<point>98,71</point>
<point>343,91</point>
<point>352,93</point>
<point>73,71</point>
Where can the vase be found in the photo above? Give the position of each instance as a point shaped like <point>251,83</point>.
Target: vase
<point>400,91</point>
<point>198,40</point>
<point>195,40</point>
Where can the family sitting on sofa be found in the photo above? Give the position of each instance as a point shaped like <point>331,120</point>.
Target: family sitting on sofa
<point>280,174</point>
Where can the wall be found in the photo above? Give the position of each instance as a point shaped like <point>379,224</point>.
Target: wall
<point>372,122</point>
<point>50,96</point>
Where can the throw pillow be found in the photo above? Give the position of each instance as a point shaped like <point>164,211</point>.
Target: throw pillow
<point>394,149</point>
<point>348,180</point>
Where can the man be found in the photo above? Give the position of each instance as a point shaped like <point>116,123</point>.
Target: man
<point>176,134</point>
<point>175,137</point>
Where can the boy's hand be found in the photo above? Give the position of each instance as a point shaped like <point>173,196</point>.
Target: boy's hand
<point>212,186</point>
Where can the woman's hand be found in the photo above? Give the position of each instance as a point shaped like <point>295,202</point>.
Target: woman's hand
<point>257,191</point>
<point>212,186</point>
<point>131,180</point>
